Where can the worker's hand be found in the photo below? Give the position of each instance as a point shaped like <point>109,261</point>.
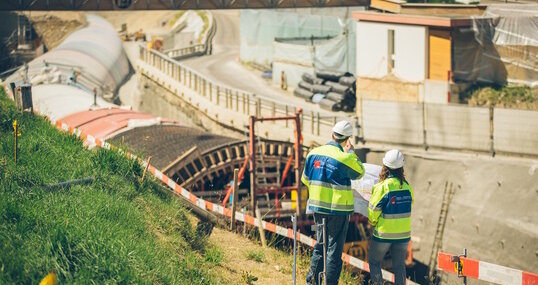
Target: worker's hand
<point>349,146</point>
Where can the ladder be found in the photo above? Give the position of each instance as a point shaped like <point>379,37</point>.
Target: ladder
<point>438,239</point>
<point>265,178</point>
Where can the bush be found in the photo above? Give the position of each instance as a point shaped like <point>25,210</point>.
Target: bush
<point>520,97</point>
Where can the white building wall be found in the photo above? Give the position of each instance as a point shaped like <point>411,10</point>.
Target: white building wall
<point>410,52</point>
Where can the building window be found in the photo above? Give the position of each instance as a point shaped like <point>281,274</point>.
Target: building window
<point>390,55</point>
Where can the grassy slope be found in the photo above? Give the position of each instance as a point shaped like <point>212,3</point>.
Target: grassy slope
<point>116,230</point>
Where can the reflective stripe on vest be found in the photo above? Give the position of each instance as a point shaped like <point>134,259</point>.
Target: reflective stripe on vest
<point>392,235</point>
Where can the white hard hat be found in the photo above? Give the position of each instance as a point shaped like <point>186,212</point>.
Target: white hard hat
<point>393,159</point>
<point>342,129</point>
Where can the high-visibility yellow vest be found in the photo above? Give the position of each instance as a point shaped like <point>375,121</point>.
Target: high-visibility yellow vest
<point>328,173</point>
<point>389,210</point>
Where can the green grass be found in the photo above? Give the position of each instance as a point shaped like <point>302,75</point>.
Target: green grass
<point>256,255</point>
<point>115,230</point>
<point>214,254</point>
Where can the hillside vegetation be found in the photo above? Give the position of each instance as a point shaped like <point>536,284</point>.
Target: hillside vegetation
<point>516,97</point>
<point>114,230</point>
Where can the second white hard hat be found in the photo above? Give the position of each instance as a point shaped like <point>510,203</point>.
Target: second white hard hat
<point>342,129</point>
<point>393,159</point>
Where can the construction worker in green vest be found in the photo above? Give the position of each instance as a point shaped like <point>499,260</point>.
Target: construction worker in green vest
<point>389,212</point>
<point>328,172</point>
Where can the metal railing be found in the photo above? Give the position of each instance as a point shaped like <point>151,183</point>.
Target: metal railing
<point>178,53</point>
<point>313,122</point>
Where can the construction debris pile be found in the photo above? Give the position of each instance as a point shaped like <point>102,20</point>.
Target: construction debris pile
<point>332,90</point>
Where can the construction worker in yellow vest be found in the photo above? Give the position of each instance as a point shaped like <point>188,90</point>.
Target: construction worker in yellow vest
<point>328,172</point>
<point>389,212</point>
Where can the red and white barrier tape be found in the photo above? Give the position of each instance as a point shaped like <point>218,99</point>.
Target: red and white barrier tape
<point>486,271</point>
<point>206,205</point>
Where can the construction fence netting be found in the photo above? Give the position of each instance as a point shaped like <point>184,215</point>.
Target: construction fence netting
<point>501,47</point>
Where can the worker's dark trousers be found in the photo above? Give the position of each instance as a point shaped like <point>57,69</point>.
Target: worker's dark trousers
<point>377,252</point>
<point>336,236</point>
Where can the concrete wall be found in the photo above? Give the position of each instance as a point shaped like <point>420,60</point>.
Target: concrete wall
<point>410,48</point>
<point>392,122</point>
<point>458,126</point>
<point>450,126</point>
<point>516,131</point>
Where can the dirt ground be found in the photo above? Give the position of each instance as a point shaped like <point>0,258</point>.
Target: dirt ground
<point>54,27</point>
<point>147,21</point>
<point>275,266</point>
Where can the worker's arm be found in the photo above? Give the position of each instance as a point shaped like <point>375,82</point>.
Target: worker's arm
<point>355,166</point>
<point>305,178</point>
<point>375,206</point>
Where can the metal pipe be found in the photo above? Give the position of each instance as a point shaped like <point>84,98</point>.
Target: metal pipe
<point>275,118</point>
<point>252,150</point>
<point>234,198</point>
<point>294,221</point>
<point>298,148</point>
<point>324,243</point>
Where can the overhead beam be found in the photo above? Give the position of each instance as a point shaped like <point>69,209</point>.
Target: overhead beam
<point>128,5</point>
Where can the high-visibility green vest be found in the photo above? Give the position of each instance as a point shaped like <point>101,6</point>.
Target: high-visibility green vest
<point>328,173</point>
<point>389,210</point>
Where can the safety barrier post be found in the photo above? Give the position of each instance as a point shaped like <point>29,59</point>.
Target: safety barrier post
<point>218,95</point>
<point>210,92</point>
<point>258,107</point>
<point>294,270</point>
<point>226,97</point>
<point>260,227</point>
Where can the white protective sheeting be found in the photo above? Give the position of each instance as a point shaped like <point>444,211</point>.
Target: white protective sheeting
<point>59,100</point>
<point>95,52</point>
<point>260,28</point>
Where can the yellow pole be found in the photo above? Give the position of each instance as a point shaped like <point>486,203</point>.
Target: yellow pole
<point>16,127</point>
